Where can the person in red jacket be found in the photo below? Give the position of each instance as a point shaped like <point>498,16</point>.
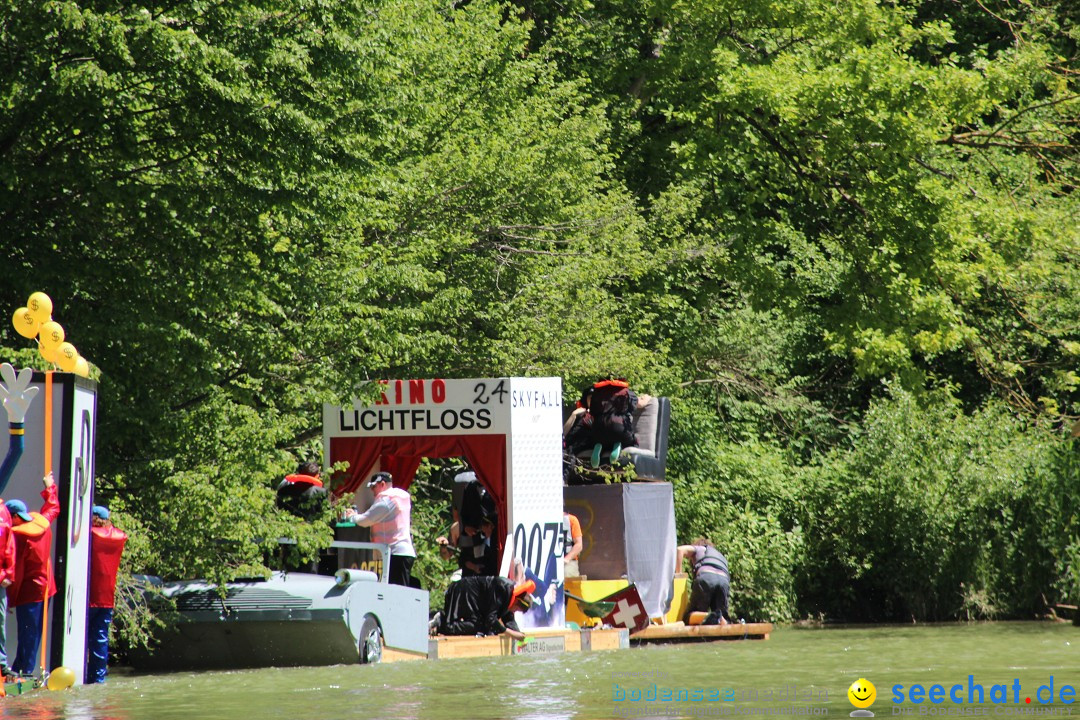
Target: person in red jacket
<point>33,580</point>
<point>106,547</point>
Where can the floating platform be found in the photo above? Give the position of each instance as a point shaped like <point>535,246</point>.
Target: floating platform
<point>680,632</point>
<point>1061,611</point>
<point>21,687</point>
<point>547,641</point>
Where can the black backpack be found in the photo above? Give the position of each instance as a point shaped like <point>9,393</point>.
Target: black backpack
<point>612,409</point>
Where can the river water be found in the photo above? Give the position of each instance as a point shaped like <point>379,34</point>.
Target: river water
<point>799,672</point>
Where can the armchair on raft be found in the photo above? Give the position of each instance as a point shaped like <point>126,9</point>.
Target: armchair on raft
<point>649,456</point>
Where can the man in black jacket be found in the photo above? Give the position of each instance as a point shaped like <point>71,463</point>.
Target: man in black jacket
<point>485,605</point>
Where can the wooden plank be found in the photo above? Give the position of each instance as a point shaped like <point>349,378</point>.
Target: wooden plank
<point>675,632</point>
<point>445,648</point>
<point>545,641</point>
<point>612,639</point>
<point>390,655</point>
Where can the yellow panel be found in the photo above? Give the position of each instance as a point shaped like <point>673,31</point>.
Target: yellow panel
<point>680,599</point>
<point>596,589</point>
<point>589,590</point>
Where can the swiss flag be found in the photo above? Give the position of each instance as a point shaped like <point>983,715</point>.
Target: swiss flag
<point>629,612</point>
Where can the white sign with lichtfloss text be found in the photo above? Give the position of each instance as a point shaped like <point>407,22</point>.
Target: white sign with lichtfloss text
<point>426,407</point>
<point>528,413</point>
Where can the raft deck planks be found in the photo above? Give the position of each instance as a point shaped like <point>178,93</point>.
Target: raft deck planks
<point>678,632</point>
<point>540,642</point>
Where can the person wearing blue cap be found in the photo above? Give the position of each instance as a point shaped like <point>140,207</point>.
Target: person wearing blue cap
<point>106,547</point>
<point>33,581</point>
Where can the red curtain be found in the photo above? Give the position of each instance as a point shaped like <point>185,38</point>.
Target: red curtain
<point>400,456</point>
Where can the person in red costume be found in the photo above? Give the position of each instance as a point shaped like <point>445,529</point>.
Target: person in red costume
<point>7,575</point>
<point>106,547</point>
<point>33,580</point>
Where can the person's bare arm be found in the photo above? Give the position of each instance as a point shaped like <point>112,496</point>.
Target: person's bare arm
<point>575,550</point>
<point>377,512</point>
<point>578,412</point>
<point>681,553</point>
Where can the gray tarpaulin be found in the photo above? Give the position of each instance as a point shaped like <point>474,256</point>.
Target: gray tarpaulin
<point>629,531</point>
<point>649,514</point>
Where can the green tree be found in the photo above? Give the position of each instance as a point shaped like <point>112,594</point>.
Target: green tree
<point>245,210</point>
<point>764,209</point>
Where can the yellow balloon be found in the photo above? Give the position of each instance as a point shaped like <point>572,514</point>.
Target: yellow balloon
<point>67,356</point>
<point>48,353</point>
<point>40,306</point>
<point>61,678</point>
<point>25,323</point>
<point>82,368</point>
<point>51,334</point>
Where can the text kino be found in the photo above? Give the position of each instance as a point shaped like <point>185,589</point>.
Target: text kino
<point>416,392</point>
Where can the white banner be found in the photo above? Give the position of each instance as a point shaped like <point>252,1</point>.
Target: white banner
<point>535,494</point>
<point>80,477</point>
<point>426,407</point>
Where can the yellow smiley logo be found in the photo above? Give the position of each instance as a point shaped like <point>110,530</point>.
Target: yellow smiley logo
<point>862,693</point>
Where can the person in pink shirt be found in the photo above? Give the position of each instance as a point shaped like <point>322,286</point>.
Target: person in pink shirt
<point>390,520</point>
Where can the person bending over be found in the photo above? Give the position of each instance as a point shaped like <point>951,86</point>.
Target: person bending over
<point>484,605</point>
<point>712,584</point>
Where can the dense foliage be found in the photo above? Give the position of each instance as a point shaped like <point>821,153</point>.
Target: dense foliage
<point>843,238</point>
